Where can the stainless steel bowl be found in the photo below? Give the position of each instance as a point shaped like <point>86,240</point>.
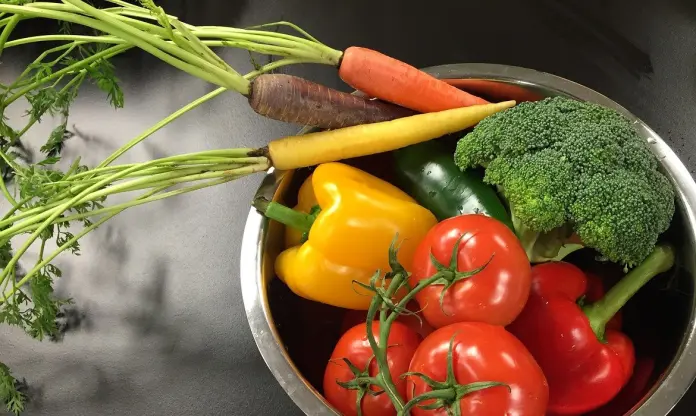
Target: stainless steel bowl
<point>289,355</point>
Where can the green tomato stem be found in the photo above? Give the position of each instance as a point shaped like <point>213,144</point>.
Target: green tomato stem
<point>380,350</point>
<point>387,383</point>
<point>444,395</point>
<point>411,294</point>
<point>379,303</point>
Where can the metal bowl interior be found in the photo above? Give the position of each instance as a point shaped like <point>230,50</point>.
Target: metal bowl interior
<point>296,336</point>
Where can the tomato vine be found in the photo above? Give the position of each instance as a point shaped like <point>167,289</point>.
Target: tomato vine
<point>446,394</point>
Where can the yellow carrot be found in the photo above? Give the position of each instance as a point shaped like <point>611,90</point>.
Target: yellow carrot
<point>367,139</point>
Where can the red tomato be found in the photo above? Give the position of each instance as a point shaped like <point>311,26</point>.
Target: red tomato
<point>354,346</point>
<point>481,352</point>
<point>422,327</point>
<point>496,295</point>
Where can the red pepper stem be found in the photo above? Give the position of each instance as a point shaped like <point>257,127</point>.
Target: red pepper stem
<point>284,215</point>
<point>599,313</point>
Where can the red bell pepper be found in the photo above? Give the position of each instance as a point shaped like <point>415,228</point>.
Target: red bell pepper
<point>633,392</point>
<point>586,364</point>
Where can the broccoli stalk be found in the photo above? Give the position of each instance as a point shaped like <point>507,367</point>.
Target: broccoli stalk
<point>554,245</point>
<point>573,169</point>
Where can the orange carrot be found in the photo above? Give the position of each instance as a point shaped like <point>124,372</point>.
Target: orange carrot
<point>389,79</point>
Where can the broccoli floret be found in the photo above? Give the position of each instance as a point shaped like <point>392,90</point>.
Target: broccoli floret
<point>537,184</point>
<point>566,166</point>
<point>634,213</point>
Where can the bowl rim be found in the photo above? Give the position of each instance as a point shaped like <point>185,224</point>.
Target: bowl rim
<point>667,392</point>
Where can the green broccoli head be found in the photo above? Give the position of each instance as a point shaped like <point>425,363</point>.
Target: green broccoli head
<point>625,226</point>
<point>537,184</point>
<point>575,166</point>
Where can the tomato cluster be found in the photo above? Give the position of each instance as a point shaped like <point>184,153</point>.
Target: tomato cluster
<point>457,339</point>
<point>471,328</point>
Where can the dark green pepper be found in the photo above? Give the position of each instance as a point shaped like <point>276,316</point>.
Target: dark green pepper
<point>428,173</point>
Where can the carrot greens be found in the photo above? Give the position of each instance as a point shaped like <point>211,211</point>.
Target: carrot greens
<point>55,209</point>
<point>52,210</point>
<point>51,82</point>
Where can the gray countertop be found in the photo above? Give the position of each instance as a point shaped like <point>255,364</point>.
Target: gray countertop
<point>159,326</point>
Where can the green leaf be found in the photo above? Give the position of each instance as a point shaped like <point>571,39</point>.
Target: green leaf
<point>51,160</point>
<point>65,28</point>
<point>14,399</point>
<point>6,131</point>
<point>102,74</point>
<point>56,140</point>
<point>32,182</point>
<point>39,70</point>
<point>255,64</point>
<point>45,307</point>
<point>63,240</point>
<point>5,253</point>
<point>42,101</point>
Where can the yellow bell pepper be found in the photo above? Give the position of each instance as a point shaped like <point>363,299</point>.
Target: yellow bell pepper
<point>349,238</point>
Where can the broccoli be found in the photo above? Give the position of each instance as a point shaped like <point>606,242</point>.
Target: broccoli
<point>569,168</point>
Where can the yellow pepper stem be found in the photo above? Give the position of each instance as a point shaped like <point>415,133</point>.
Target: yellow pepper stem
<point>284,215</point>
